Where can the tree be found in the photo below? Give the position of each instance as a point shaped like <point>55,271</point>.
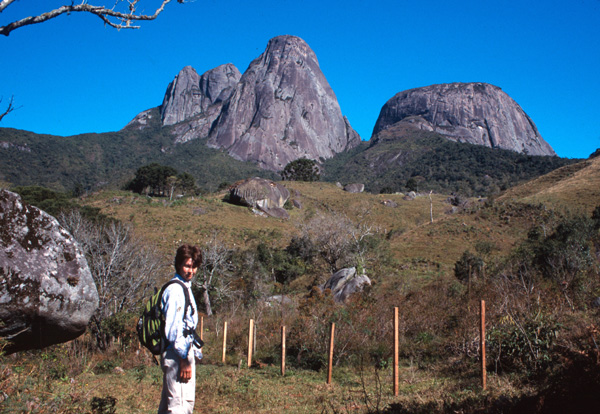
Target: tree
<point>186,183</point>
<point>412,184</point>
<point>301,169</point>
<point>339,241</point>
<point>468,268</point>
<point>123,267</point>
<point>214,277</point>
<point>153,178</point>
<point>120,16</point>
<point>171,185</point>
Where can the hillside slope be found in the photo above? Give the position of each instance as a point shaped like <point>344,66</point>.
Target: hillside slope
<point>403,151</point>
<point>110,159</point>
<point>576,187</point>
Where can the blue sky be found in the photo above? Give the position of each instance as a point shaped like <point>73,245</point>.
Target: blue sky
<point>73,75</point>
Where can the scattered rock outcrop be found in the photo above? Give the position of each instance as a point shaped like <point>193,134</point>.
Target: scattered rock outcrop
<point>261,194</point>
<point>477,113</point>
<point>354,188</point>
<point>47,293</point>
<point>389,203</point>
<point>345,282</point>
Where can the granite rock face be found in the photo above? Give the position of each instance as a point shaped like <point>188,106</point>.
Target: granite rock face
<point>477,113</point>
<point>264,195</point>
<point>283,109</point>
<point>47,294</point>
<point>191,94</point>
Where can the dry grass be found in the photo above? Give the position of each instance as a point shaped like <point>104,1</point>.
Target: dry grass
<point>575,188</point>
<point>227,389</point>
<point>419,278</point>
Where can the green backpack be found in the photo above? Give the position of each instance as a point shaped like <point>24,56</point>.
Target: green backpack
<point>151,325</point>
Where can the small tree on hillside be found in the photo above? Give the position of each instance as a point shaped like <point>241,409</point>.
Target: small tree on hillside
<point>412,185</point>
<point>339,241</point>
<point>186,183</point>
<point>152,178</point>
<point>214,277</point>
<point>301,169</point>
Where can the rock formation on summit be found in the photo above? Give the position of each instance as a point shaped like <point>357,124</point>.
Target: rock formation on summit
<point>283,109</point>
<point>477,113</point>
<point>191,94</point>
<point>192,102</point>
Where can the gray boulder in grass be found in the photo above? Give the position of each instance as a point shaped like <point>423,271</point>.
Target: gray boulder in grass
<point>345,282</point>
<point>47,293</point>
<point>355,188</point>
<point>261,194</point>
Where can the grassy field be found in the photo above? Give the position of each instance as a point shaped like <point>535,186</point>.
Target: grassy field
<point>552,353</point>
<point>102,386</point>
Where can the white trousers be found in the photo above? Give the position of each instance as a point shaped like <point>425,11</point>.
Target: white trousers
<point>177,397</point>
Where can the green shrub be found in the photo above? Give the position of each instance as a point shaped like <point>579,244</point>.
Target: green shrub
<point>514,345</point>
<point>301,169</point>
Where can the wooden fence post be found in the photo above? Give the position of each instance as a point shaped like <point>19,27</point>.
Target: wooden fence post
<point>396,350</point>
<point>482,342</point>
<point>224,340</point>
<point>330,367</point>
<point>250,342</point>
<point>202,328</point>
<point>283,350</point>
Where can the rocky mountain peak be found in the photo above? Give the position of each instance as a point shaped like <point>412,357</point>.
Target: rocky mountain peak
<point>283,109</point>
<point>477,113</point>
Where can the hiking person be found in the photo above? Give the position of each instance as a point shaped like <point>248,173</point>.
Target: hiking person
<point>182,347</point>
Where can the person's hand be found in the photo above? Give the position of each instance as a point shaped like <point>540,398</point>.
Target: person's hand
<point>185,370</point>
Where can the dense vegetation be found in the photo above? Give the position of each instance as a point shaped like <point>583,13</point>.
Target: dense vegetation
<point>403,159</point>
<point>110,160</point>
<point>301,169</point>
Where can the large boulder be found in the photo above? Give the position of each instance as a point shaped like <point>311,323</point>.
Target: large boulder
<point>264,195</point>
<point>47,294</point>
<point>477,113</point>
<point>345,282</point>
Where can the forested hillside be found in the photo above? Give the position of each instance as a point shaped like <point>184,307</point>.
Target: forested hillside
<point>432,162</point>
<point>109,160</point>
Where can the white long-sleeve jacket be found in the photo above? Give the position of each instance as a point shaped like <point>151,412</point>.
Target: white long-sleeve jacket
<point>173,303</point>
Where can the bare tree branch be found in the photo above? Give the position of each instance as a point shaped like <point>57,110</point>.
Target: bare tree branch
<point>11,107</point>
<point>215,271</point>
<point>123,266</point>
<point>110,16</point>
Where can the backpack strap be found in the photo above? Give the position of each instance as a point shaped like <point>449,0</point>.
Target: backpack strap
<point>186,293</point>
